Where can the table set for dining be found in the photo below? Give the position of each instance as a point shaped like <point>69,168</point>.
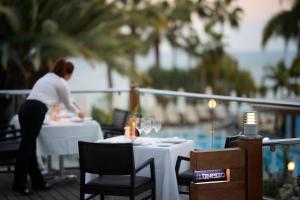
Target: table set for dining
<point>165,152</point>
<point>61,138</point>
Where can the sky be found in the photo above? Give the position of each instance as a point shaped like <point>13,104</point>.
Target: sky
<point>248,37</point>
<point>256,14</point>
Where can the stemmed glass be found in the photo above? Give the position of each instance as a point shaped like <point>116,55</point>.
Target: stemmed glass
<point>140,125</point>
<point>148,126</point>
<point>156,125</point>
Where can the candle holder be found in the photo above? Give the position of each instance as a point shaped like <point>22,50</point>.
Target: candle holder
<point>132,124</point>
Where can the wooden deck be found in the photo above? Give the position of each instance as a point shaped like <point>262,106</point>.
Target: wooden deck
<point>65,190</point>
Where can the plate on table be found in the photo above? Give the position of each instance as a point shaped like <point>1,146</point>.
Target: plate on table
<point>174,140</point>
<point>164,145</point>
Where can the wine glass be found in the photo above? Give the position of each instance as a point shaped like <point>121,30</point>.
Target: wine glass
<point>140,125</point>
<point>148,126</point>
<point>156,125</point>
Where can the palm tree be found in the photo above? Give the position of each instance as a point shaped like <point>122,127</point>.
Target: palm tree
<point>34,33</point>
<point>221,12</point>
<point>284,24</point>
<point>137,15</point>
<point>279,74</point>
<point>179,26</point>
<point>295,73</point>
<point>158,23</point>
<point>56,29</point>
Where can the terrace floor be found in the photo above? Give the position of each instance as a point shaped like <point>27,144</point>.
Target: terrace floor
<point>67,190</point>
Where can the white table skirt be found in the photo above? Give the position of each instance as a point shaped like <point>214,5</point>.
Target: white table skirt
<point>61,138</point>
<point>165,160</point>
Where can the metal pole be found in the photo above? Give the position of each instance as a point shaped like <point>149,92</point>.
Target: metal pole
<point>212,128</point>
<point>61,166</point>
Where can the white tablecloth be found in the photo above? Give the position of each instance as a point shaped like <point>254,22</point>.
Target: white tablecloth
<point>61,138</point>
<point>165,160</point>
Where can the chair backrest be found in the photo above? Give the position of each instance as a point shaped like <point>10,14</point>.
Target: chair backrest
<point>119,118</point>
<point>232,142</point>
<point>106,158</point>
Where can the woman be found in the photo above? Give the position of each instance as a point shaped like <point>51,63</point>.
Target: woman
<point>49,90</point>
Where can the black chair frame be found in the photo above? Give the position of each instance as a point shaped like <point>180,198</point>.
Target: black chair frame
<point>113,171</point>
<point>118,122</point>
<point>10,139</point>
<point>181,180</point>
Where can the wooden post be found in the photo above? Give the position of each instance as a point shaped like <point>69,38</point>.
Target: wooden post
<point>231,159</point>
<point>134,99</point>
<point>245,165</point>
<point>253,149</point>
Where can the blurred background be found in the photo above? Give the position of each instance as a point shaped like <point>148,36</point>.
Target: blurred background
<point>237,48</point>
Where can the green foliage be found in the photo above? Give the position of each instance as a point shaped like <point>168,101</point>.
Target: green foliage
<point>275,180</point>
<point>284,24</point>
<point>221,72</point>
<point>271,186</point>
<point>38,32</point>
<point>174,78</point>
<point>279,74</point>
<point>100,116</point>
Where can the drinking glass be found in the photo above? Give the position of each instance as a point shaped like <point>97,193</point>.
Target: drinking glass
<point>140,125</point>
<point>156,126</point>
<point>148,126</point>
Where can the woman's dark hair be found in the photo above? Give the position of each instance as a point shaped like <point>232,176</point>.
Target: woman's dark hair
<point>63,67</point>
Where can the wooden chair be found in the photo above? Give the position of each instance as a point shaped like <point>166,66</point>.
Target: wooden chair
<point>9,146</point>
<point>114,165</point>
<point>184,178</point>
<point>119,120</point>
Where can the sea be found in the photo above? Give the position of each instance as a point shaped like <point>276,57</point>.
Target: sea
<point>91,75</point>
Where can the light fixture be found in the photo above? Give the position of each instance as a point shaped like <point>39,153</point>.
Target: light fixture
<point>250,128</point>
<point>291,166</point>
<point>212,104</point>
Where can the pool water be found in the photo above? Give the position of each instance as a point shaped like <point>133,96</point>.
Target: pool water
<point>274,161</point>
<point>203,139</point>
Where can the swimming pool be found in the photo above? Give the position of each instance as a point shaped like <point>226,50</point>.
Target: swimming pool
<point>274,161</point>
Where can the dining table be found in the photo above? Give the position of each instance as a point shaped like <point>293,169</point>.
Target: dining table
<point>60,138</point>
<point>165,152</point>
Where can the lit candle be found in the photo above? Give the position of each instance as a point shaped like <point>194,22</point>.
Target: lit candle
<point>133,127</point>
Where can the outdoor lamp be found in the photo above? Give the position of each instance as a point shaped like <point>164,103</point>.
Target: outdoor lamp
<point>250,128</point>
<point>291,166</point>
<point>212,103</point>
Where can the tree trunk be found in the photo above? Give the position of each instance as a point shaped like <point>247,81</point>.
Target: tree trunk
<point>174,63</point>
<point>157,52</point>
<point>110,85</point>
<point>202,78</point>
<point>132,53</point>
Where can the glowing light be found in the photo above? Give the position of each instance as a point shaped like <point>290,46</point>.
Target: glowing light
<point>291,166</point>
<point>250,118</point>
<point>266,139</point>
<point>250,129</point>
<point>212,104</point>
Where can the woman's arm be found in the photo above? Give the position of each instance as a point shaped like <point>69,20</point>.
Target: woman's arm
<point>64,95</point>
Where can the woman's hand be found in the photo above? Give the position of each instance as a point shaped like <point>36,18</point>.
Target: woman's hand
<point>81,115</point>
